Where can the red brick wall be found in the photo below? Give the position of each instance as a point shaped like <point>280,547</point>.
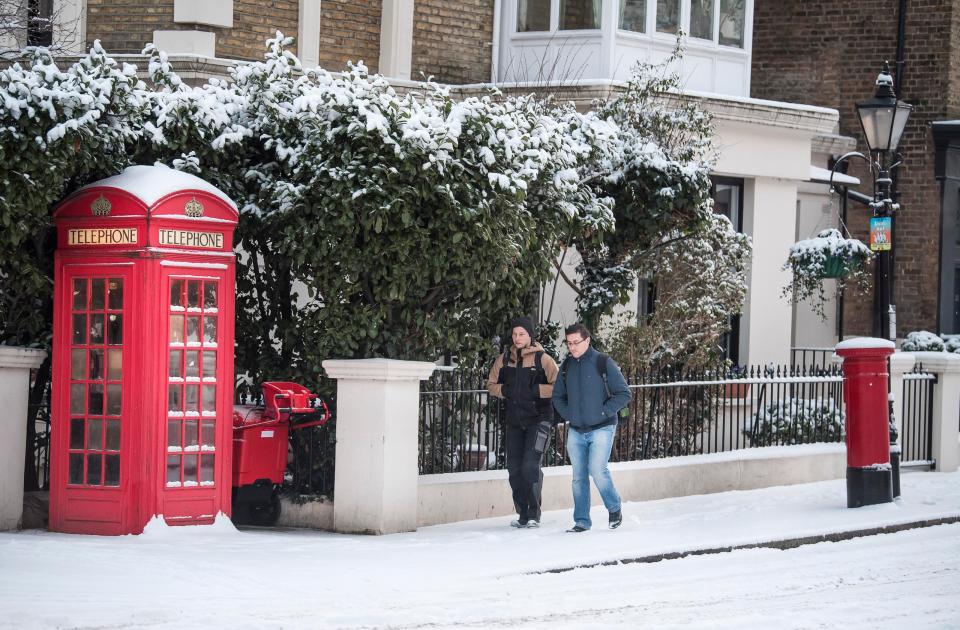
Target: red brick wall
<point>125,26</point>
<point>829,53</point>
<point>349,31</point>
<point>452,41</point>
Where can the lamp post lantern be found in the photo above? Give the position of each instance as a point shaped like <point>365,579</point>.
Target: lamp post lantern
<point>883,119</point>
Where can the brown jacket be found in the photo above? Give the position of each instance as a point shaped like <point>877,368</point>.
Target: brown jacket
<point>528,359</point>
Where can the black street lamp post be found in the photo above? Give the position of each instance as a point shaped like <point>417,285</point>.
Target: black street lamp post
<point>883,119</point>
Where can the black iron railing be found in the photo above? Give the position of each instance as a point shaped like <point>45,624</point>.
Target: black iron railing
<point>672,413</point>
<point>41,443</point>
<point>916,436</point>
<point>812,357</point>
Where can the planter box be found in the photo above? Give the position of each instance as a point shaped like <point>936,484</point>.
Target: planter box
<point>736,390</point>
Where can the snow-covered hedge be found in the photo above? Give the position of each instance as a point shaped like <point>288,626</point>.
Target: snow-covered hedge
<point>372,223</point>
<point>923,341</point>
<point>797,421</point>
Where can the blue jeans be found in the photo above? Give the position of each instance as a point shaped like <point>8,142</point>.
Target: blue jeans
<point>589,453</point>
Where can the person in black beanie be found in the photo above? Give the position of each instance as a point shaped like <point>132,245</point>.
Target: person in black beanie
<point>523,376</point>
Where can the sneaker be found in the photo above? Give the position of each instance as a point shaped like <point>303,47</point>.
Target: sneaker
<point>616,519</point>
<point>519,523</point>
<point>533,523</point>
<point>576,529</point>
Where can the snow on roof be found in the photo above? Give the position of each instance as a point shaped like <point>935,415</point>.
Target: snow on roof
<point>152,183</point>
<point>818,174</point>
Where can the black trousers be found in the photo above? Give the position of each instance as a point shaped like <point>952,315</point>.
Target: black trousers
<point>525,447</point>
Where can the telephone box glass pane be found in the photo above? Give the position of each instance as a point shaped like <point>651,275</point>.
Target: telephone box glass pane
<point>193,363</point>
<point>79,329</point>
<point>96,365</point>
<point>193,294</point>
<point>210,330</point>
<point>193,398</point>
<point>176,329</point>
<point>173,469</point>
<point>176,369</point>
<point>209,295</point>
<point>78,395</point>
<point>113,400</point>
<point>175,398</point>
<point>112,476</point>
<point>76,468</point>
<point>209,365</point>
<point>115,294</point>
<point>78,364</point>
<point>209,433</point>
<point>190,434</point>
<point>209,397</point>
<point>193,329</point>
<point>94,469</point>
<point>114,365</point>
<point>190,468</point>
<point>113,435</point>
<point>76,433</point>
<point>176,293</point>
<point>97,293</point>
<point>95,399</point>
<point>173,434</point>
<point>114,329</point>
<point>206,468</point>
<point>80,294</point>
<point>94,435</point>
<point>96,328</point>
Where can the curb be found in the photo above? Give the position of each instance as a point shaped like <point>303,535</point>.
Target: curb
<point>784,544</point>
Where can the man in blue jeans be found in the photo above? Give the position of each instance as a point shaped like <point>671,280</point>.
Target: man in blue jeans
<point>590,401</point>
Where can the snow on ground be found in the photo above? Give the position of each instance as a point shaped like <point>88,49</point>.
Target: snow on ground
<point>479,573</point>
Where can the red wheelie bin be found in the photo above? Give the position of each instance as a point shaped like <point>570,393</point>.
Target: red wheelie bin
<point>260,434</point>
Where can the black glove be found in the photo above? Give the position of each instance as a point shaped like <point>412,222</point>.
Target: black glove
<point>507,390</point>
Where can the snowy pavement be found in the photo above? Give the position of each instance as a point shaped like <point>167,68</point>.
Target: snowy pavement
<point>483,573</point>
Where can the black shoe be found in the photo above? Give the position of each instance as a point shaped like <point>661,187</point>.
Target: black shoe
<point>616,519</point>
<point>576,529</point>
<point>519,523</point>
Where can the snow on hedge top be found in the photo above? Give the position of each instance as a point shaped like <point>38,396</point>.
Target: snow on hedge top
<point>149,184</point>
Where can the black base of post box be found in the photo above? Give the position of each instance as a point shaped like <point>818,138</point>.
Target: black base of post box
<point>869,486</point>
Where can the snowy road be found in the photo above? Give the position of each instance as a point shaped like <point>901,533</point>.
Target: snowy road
<point>910,579</point>
<point>483,573</point>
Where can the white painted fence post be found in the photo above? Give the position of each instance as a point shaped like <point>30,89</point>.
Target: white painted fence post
<point>946,407</point>
<point>376,479</point>
<point>15,366</point>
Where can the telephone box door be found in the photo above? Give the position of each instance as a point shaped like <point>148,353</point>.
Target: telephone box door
<point>94,400</point>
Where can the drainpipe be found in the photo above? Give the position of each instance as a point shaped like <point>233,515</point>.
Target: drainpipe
<point>495,48</point>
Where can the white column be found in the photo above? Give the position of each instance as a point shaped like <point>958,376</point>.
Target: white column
<point>900,364</point>
<point>396,38</point>
<point>15,366</point>
<point>308,40</point>
<point>378,403</point>
<point>946,407</point>
<point>770,220</point>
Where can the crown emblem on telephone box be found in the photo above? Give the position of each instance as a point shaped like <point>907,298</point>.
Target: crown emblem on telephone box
<point>193,208</point>
<point>100,207</point>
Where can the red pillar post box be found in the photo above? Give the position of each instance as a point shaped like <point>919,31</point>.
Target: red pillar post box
<point>865,387</point>
<point>142,394</point>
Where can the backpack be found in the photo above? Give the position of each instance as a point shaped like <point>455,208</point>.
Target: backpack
<point>602,360</point>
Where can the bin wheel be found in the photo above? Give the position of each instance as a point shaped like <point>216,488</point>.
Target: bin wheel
<point>266,514</point>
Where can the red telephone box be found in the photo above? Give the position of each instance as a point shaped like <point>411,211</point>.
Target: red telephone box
<point>142,353</point>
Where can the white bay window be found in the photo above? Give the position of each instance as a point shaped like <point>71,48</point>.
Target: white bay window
<point>581,40</point>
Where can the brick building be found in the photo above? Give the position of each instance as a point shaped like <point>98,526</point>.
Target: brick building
<point>828,54</point>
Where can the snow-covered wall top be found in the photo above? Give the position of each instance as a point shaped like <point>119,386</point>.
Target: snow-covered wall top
<point>149,184</point>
